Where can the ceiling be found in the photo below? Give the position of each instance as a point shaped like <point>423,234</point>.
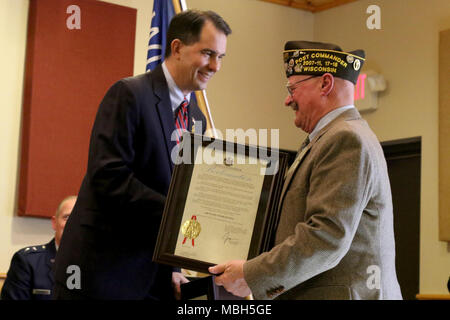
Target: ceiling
<point>311,5</point>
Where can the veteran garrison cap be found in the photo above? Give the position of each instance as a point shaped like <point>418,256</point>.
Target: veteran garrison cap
<point>317,58</point>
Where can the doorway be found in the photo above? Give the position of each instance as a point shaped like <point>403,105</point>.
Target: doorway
<point>403,159</point>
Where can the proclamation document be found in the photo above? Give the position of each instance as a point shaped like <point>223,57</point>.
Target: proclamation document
<point>221,207</point>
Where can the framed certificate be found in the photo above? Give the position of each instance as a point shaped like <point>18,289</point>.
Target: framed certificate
<point>221,205</point>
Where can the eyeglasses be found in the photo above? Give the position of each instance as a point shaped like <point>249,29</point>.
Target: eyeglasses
<point>290,87</point>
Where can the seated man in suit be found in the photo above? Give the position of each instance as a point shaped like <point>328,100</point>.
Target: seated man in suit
<point>335,235</point>
<point>30,276</point>
<point>112,232</point>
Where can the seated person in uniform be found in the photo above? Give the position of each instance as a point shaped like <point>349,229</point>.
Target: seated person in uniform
<point>30,276</point>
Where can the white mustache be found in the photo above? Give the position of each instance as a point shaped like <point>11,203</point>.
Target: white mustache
<point>293,105</point>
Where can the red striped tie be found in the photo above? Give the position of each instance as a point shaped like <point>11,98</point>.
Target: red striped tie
<point>181,122</point>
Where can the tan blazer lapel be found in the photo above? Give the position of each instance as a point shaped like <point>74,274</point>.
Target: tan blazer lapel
<point>347,115</point>
<point>292,169</point>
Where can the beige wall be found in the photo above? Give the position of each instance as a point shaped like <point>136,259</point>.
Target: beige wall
<point>15,232</point>
<point>405,51</point>
<point>249,91</point>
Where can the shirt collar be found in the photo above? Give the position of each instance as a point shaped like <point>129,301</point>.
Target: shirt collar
<point>176,95</point>
<point>326,119</point>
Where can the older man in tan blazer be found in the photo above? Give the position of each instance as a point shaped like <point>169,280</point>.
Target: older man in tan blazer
<point>335,237</point>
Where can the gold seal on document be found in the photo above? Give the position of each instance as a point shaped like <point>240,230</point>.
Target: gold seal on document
<point>191,229</point>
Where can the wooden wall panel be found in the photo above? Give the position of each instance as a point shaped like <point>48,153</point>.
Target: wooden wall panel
<point>67,73</point>
<point>444,136</point>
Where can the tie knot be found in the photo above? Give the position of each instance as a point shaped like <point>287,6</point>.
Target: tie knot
<point>181,119</point>
<point>183,107</point>
<point>184,104</point>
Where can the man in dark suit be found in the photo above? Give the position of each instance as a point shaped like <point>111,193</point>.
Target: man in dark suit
<point>30,276</point>
<point>112,232</point>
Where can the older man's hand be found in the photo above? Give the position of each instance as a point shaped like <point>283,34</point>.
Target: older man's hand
<point>232,277</point>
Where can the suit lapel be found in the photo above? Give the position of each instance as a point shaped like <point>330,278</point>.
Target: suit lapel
<point>293,169</point>
<point>195,115</point>
<point>191,118</point>
<point>164,109</point>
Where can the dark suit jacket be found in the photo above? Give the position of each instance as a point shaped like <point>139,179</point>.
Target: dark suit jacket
<point>30,276</point>
<point>112,230</point>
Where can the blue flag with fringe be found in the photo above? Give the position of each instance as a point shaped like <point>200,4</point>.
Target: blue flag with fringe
<point>163,11</point>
